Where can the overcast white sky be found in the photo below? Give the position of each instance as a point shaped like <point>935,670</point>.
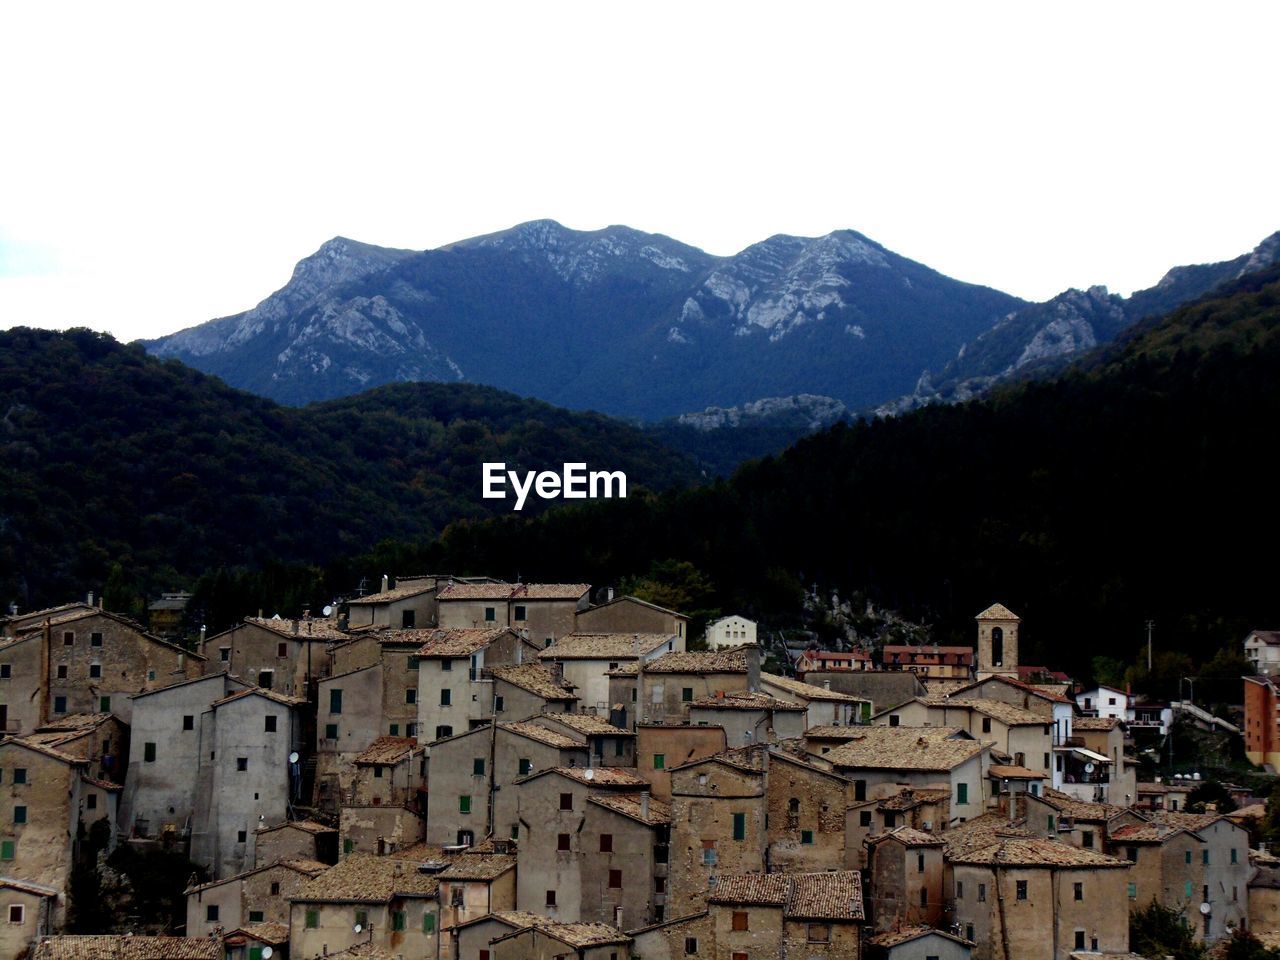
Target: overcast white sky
<point>164,164</point>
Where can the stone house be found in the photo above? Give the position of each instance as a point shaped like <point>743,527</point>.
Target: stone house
<point>905,871</point>
<point>669,683</point>
<point>29,912</point>
<point>383,901</point>
<point>391,771</point>
<point>259,895</point>
<point>586,659</point>
<point>588,860</point>
<point>910,943</point>
<point>556,940</point>
<point>249,941</point>
<point>91,661</point>
<point>380,829</point>
<point>748,718</point>
<point>544,612</point>
<point>929,660</point>
<point>675,744</point>
<point>632,615</point>
<point>1106,736</point>
<point>732,631</point>
<point>397,653</point>
<point>826,707</point>
<point>528,689</point>
<point>883,688</point>
<point>246,779</point>
<point>473,939</point>
<point>804,814</point>
<point>1171,795</point>
<point>608,745</point>
<point>100,739</point>
<point>787,915</point>
<point>455,686</point>
<point>1027,898</point>
<point>675,939</point>
<point>281,655</point>
<point>920,809</point>
<point>16,624</point>
<point>1264,894</point>
<point>814,660</point>
<point>475,885</point>
<point>882,760</point>
<point>170,738</point>
<point>295,840</point>
<point>349,717</point>
<point>410,604</point>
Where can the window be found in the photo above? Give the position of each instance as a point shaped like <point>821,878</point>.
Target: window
<point>149,753</point>
<point>818,933</point>
<point>275,888</point>
<point>282,650</point>
<point>7,849</point>
<point>91,801</point>
<point>986,724</point>
<point>959,889</point>
<point>411,695</point>
<point>1204,856</point>
<point>806,836</point>
<point>335,701</point>
<point>924,896</point>
<point>739,826</point>
<point>269,723</point>
<point>1235,855</point>
<point>19,814</point>
<point>1078,891</point>
<point>1086,839</point>
<point>526,767</point>
<point>566,801</point>
<point>242,764</point>
<point>242,836</point>
<point>962,793</point>
<point>348,846</point>
<point>446,664</point>
<point>394,729</point>
<point>211,913</point>
<point>691,946</point>
<point>740,920</point>
<point>968,931</point>
<point>331,731</point>
<point>68,638</point>
<point>498,705</point>
<point>708,853</point>
<point>477,767</point>
<point>1186,889</point>
<point>982,893</point>
<point>1022,890</point>
<point>104,704</point>
<point>490,614</point>
<point>377,771</point>
<point>1133,891</point>
<point>1051,823</point>
<point>313,919</point>
<point>864,818</point>
<point>397,920</point>
<point>520,613</point>
<point>412,663</point>
<point>62,671</point>
<point>224,654</point>
<point>1079,939</point>
<point>444,730</point>
<point>188,722</point>
<point>17,913</point>
<point>551,898</point>
<point>446,697</point>
<point>408,619</point>
<point>606,843</point>
<point>894,720</point>
<point>1187,856</point>
<point>562,842</point>
<point>19,775</point>
<point>6,671</point>
<point>659,761</point>
<point>464,804</point>
<point>686,694</point>
<point>429,924</point>
<point>615,879</point>
<point>95,671</point>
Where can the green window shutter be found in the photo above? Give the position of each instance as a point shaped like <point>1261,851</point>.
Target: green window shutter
<point>104,704</point>
<point>686,694</point>
<point>806,836</point>
<point>313,919</point>
<point>397,920</point>
<point>659,761</point>
<point>739,826</point>
<point>6,849</point>
<point>1235,855</point>
<point>1187,889</point>
<point>428,922</point>
<point>1133,891</point>
<point>464,804</point>
<point>1051,823</point>
<point>348,845</point>
<point>1188,856</point>
<point>962,793</point>
<point>255,916</point>
<point>255,953</point>
<point>866,711</point>
<point>335,701</point>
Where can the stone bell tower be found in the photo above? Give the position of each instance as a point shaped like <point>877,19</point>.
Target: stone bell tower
<point>998,642</point>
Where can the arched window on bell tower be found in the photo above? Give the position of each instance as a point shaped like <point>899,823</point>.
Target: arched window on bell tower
<point>997,647</point>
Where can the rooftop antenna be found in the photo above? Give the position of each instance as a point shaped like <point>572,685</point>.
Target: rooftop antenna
<point>1150,626</point>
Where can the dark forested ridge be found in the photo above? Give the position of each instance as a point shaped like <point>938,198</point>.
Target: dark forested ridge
<point>110,457</point>
<point>1135,486</point>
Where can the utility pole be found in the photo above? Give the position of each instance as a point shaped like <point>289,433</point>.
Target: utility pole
<point>1150,626</point>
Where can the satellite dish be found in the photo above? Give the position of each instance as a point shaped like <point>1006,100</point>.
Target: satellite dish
<point>589,774</point>
<point>1206,908</point>
<point>293,757</point>
<point>1088,767</point>
<point>357,928</point>
<point>328,610</point>
<point>267,953</point>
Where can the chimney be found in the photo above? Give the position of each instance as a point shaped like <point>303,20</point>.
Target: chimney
<point>644,805</point>
<point>386,583</point>
<point>203,629</point>
<point>608,594</point>
<point>295,628</point>
<point>826,684</point>
<point>91,598</point>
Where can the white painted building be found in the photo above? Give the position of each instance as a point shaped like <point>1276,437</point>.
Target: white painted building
<point>731,631</point>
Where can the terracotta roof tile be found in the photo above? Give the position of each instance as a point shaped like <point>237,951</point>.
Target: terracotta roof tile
<point>1035,852</point>
<point>475,866</point>
<point>536,679</point>
<point>128,948</point>
<point>905,748</point>
<point>41,748</point>
<point>75,721</point>
<point>895,937</point>
<point>1069,806</point>
<point>808,691</point>
<point>542,734</point>
<point>326,629</point>
<point>747,701</point>
<point>605,646</point>
<point>603,776</point>
<point>309,826</point>
<point>836,895</point>
<point>397,592</point>
<point>389,750</point>
<point>678,661</point>
<point>460,642</point>
<point>909,798</point>
<point>279,698</point>
<point>587,724</point>
<point>272,933</point>
<point>634,805</point>
<point>577,935</point>
<point>1095,723</point>
<point>998,611</point>
<point>910,837</point>
<point>361,878</point>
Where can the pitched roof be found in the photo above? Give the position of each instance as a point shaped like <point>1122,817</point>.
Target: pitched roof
<point>905,748</point>
<point>908,836</point>
<point>831,733</point>
<point>27,886</point>
<point>577,935</point>
<point>601,776</point>
<point>1006,713</point>
<point>605,646</point>
<point>679,661</point>
<point>644,603</point>
<point>895,938</point>
<point>638,806</point>
<point>542,734</point>
<point>361,878</point>
<point>311,868</point>
<point>998,611</point>
<point>397,592</point>
<point>960,656</point>
<point>460,642</point>
<point>1189,821</point>
<point>279,698</point>
<point>38,747</point>
<point>123,621</point>
<point>301,630</point>
<point>908,798</point>
<point>1034,852</point>
<point>1095,723</point>
<point>536,679</point>
<point>272,933</point>
<point>747,701</point>
<point>478,866</point>
<point>807,690</point>
<point>513,591</point>
<point>982,831</point>
<point>309,826</point>
<point>1013,771</point>
<point>128,948</point>
<point>588,724</point>
<point>1147,833</point>
<point>1017,685</point>
<point>79,722</point>
<point>836,895</point>
<point>1069,806</point>
<point>389,750</point>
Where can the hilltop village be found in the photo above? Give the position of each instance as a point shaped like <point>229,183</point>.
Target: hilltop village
<point>463,769</point>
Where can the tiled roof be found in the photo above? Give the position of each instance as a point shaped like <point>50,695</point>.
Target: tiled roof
<point>420,852</point>
<point>476,591</point>
<point>128,948</point>
<point>1013,771</point>
<point>928,652</point>
<point>389,750</point>
<point>1035,852</point>
<point>362,878</point>
<point>536,679</point>
<point>1188,821</point>
<point>513,591</point>
<point>1006,713</point>
<point>904,748</point>
<point>982,831</point>
<point>820,655</point>
<point>367,950</point>
<point>633,805</point>
<point>272,933</point>
<point>279,698</point>
<point>603,776</point>
<point>553,591</point>
<point>542,734</point>
<point>943,686</point>
<point>26,886</point>
<point>576,935</point>
<point>807,690</point>
<point>908,798</point>
<point>75,721</point>
<point>1095,723</point>
<point>677,661</point>
<point>326,629</point>
<point>997,611</point>
<point>1069,806</point>
<point>747,701</point>
<point>41,748</point>
<point>101,784</point>
<point>459,642</point>
<point>909,836</point>
<point>310,826</point>
<point>894,938</point>
<point>836,895</point>
<point>311,868</point>
<point>397,592</point>
<point>1018,685</point>
<point>643,603</point>
<point>831,733</point>
<point>1145,833</point>
<point>605,646</point>
<point>124,621</point>
<point>588,724</point>
<point>473,866</point>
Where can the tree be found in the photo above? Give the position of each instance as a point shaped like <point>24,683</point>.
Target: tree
<point>1160,931</point>
<point>1243,945</point>
<point>1210,791</point>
